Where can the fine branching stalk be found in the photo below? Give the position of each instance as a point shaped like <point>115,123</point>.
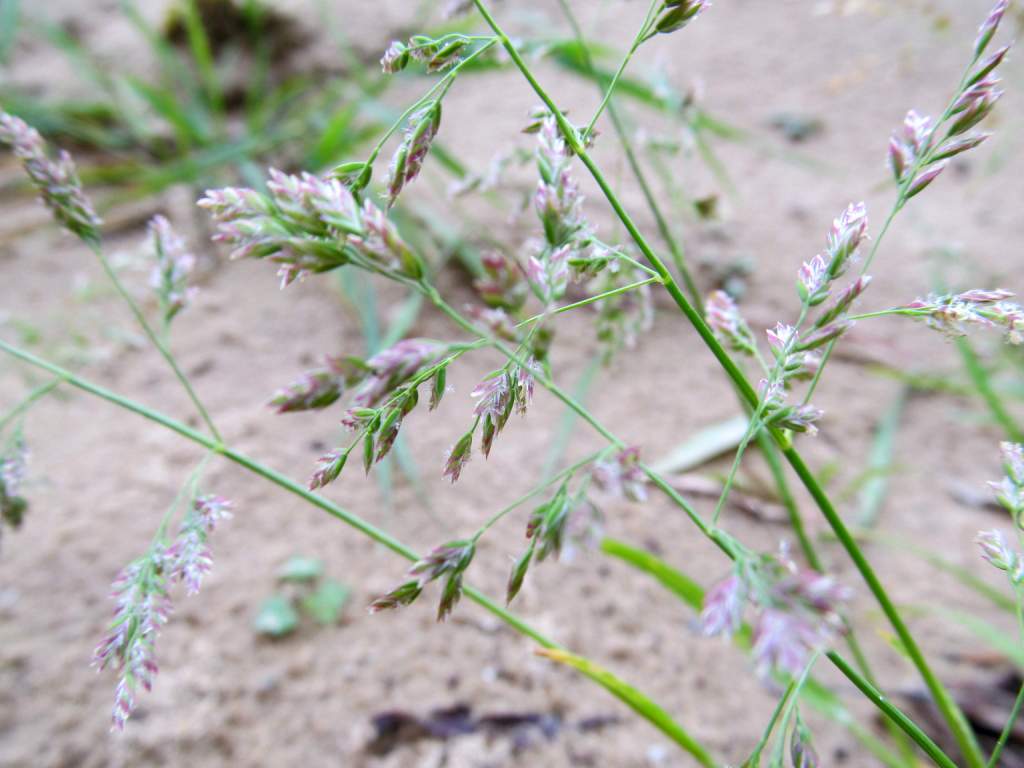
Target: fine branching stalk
<point>155,339</point>
<point>671,728</point>
<point>945,702</point>
<point>621,132</point>
<point>309,224</point>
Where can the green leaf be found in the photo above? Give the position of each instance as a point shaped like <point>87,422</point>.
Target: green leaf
<point>704,446</point>
<point>9,18</point>
<point>634,699</point>
<point>276,617</point>
<point>300,568</point>
<point>873,491</point>
<point>1001,641</point>
<point>685,588</point>
<point>326,604</point>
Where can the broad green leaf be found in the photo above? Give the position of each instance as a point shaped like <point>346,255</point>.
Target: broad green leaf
<point>326,604</point>
<point>276,617</point>
<point>300,568</point>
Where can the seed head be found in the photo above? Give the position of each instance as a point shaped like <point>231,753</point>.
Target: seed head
<point>997,551</point>
<point>725,320</point>
<point>143,606</point>
<point>813,276</point>
<point>518,574</point>
<point>797,611</point>
<point>502,283</point>
<point>676,14</point>
<point>908,143</point>
<point>496,322</point>
<point>408,159</point>
<point>448,561</point>
<point>989,26</point>
<point>174,265</point>
<point>55,178</point>
<point>387,370</point>
<point>622,476</point>
<point>723,607</point>
<point>547,525</point>
<point>847,233</point>
<point>403,594</point>
<point>329,468</point>
<point>315,390</point>
<point>801,749</point>
<point>396,58</point>
<point>1013,461</point>
<point>458,457</point>
<point>381,243</point>
<point>955,314</point>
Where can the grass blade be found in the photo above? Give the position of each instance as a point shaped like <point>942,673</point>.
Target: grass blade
<point>10,16</point>
<point>704,446</point>
<point>872,493</point>
<point>635,700</point>
<point>983,385</point>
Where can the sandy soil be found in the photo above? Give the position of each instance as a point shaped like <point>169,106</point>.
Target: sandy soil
<point>224,696</point>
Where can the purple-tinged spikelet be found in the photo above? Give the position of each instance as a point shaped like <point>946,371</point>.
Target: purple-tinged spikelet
<point>396,58</point>
<point>722,613</point>
<point>55,178</point>
<point>143,603</point>
<point>728,324</point>
<point>143,606</point>
<point>174,265</point>
<point>908,143</point>
<point>622,476</point>
<point>458,457</point>
<point>997,551</point>
<point>392,367</point>
<point>1009,491</point>
<point>316,389</point>
<point>448,561</point>
<point>796,611</point>
<point>502,285</point>
<point>989,26</point>
<point>954,314</point>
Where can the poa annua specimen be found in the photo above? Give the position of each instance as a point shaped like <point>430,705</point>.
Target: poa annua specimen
<point>790,612</point>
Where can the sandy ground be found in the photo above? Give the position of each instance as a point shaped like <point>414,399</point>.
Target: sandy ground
<point>224,696</point>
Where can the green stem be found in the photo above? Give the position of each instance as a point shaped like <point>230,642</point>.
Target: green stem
<point>669,727</point>
<point>892,712</point>
<point>637,42</point>
<point>565,473</point>
<point>31,399</point>
<point>980,379</point>
<point>755,757</point>
<point>155,339</point>
<point>944,701</point>
<point>770,452</point>
<point>993,761</point>
<point>441,85</point>
<point>678,256</point>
